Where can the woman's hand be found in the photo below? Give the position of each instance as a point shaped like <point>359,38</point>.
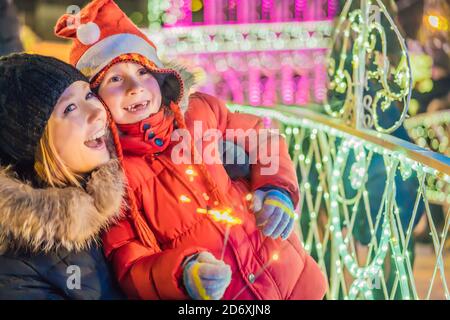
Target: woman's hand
<point>205,277</point>
<point>274,213</point>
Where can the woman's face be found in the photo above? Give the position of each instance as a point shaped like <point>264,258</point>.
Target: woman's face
<point>130,92</point>
<point>78,126</point>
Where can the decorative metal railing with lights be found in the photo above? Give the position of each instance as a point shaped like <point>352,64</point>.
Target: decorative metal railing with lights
<point>336,166</point>
<point>363,191</point>
<point>432,131</point>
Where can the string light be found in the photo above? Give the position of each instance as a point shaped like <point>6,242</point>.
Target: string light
<point>437,22</point>
<point>191,173</point>
<point>278,36</point>
<point>185,199</point>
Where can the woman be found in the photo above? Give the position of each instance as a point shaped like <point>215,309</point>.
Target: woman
<point>59,184</point>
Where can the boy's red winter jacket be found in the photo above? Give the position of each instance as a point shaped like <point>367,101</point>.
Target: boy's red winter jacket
<point>169,201</point>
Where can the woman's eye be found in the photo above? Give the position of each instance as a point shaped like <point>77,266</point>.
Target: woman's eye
<point>69,108</point>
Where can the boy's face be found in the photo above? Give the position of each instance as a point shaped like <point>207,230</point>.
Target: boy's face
<point>130,92</point>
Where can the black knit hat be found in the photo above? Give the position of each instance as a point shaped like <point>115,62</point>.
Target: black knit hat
<point>30,86</point>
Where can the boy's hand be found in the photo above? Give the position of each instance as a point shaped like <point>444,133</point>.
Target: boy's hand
<point>274,213</point>
<point>205,277</point>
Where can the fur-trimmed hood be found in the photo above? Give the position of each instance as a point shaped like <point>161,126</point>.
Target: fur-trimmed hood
<point>38,219</point>
<point>190,81</point>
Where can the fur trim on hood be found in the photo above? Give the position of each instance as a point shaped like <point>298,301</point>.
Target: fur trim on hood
<point>190,81</point>
<point>71,218</point>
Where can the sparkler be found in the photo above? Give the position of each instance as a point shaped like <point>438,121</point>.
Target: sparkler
<point>275,257</point>
<point>222,216</point>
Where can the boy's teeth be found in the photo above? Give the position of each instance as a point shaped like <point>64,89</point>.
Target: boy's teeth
<point>135,106</point>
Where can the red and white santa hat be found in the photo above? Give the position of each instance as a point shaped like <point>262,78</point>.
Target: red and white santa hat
<point>103,35</point>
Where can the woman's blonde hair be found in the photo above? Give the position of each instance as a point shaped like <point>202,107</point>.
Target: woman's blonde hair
<point>50,167</point>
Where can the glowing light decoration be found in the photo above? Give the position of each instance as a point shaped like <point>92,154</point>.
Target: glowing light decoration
<point>432,131</point>
<point>301,9</point>
<point>266,9</point>
<point>287,84</point>
<point>363,275</point>
<point>254,90</point>
<point>437,22</point>
<point>320,82</point>
<point>333,7</point>
<point>191,173</point>
<point>268,90</point>
<point>197,5</point>
<point>247,11</point>
<point>185,199</point>
<point>303,90</point>
<point>254,29</point>
<point>155,12</point>
<point>186,11</point>
<point>360,30</point>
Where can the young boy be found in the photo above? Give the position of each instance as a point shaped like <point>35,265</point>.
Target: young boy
<point>190,231</point>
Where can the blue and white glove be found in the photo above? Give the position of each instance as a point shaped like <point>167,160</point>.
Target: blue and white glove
<point>274,213</point>
<point>205,277</point>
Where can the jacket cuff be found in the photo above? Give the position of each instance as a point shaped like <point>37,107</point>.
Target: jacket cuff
<point>166,273</point>
<point>272,187</point>
<point>280,185</point>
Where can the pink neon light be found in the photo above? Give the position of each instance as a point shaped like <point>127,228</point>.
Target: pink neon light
<point>233,81</point>
<point>268,90</point>
<point>302,94</point>
<point>246,79</point>
<point>247,11</point>
<point>254,86</point>
<point>333,8</point>
<point>320,82</point>
<point>186,10</point>
<point>287,84</point>
<point>301,9</point>
<point>266,9</point>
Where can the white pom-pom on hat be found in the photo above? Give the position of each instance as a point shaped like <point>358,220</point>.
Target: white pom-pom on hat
<point>88,33</point>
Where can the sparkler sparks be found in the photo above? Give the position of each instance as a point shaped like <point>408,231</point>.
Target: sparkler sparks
<point>221,215</point>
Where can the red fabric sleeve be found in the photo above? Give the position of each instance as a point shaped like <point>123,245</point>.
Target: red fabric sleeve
<point>285,176</point>
<point>143,272</point>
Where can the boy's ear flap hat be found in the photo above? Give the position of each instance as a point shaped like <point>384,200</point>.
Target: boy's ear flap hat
<point>30,86</point>
<point>103,35</point>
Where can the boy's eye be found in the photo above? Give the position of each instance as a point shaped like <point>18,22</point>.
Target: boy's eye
<point>115,79</point>
<point>70,108</point>
<point>90,95</point>
<point>143,71</point>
